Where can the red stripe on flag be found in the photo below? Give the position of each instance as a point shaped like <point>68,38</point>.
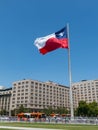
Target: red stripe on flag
<point>53,44</point>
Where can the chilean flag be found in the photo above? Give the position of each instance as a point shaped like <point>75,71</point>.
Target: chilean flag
<point>52,42</point>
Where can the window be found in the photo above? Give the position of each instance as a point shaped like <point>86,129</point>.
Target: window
<point>22,82</point>
<point>15,84</point>
<point>43,85</point>
<point>26,86</point>
<point>36,83</point>
<point>19,83</point>
<point>22,86</point>
<point>32,82</point>
<point>40,84</point>
<point>27,82</point>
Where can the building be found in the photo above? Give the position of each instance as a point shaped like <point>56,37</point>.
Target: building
<point>39,95</point>
<point>86,90</point>
<point>2,87</point>
<point>5,98</point>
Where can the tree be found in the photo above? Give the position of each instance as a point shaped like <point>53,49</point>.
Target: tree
<point>61,110</point>
<point>93,109</point>
<point>20,109</point>
<point>48,110</point>
<point>3,112</point>
<point>82,109</point>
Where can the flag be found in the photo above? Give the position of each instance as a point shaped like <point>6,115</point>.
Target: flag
<point>52,42</point>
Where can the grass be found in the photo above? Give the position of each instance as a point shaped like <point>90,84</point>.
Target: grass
<point>51,126</point>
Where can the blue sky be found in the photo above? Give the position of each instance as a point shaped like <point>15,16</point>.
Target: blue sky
<point>22,21</point>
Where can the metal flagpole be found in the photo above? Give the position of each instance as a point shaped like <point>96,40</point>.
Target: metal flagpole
<point>70,75</point>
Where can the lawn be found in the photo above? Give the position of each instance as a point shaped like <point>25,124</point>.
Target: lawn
<point>51,126</point>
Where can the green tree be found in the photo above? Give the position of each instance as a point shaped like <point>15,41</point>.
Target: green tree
<point>82,109</point>
<point>3,112</point>
<point>93,109</point>
<point>20,109</point>
<point>61,110</point>
<point>48,110</point>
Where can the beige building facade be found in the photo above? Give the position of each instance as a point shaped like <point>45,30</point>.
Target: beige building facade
<point>39,95</point>
<point>86,90</point>
<point>5,99</point>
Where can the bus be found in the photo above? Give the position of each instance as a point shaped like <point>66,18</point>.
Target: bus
<point>31,116</point>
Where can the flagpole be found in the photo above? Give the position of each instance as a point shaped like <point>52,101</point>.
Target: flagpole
<point>70,75</point>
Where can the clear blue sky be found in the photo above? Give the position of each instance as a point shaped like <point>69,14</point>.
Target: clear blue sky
<point>22,21</point>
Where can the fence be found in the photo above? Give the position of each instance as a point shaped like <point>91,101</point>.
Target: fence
<point>66,120</point>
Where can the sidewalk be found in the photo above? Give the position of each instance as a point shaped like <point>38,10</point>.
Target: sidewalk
<point>24,128</point>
